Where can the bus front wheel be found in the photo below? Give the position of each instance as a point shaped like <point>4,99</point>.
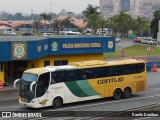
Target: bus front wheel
<point>57,102</point>
<point>127,93</point>
<point>117,94</point>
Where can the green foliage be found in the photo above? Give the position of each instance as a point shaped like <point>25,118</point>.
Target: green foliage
<point>90,10</point>
<point>135,50</point>
<point>67,22</point>
<point>91,13</point>
<point>154,23</point>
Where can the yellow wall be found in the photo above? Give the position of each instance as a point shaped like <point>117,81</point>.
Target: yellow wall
<point>2,77</point>
<point>70,58</point>
<point>35,62</point>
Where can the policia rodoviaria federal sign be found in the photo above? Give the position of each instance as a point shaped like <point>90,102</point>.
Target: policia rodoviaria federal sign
<point>19,50</point>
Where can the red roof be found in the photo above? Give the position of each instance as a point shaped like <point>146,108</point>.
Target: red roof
<point>75,21</point>
<point>4,24</point>
<point>19,23</point>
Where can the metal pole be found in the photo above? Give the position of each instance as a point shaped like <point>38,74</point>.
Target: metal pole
<point>32,19</point>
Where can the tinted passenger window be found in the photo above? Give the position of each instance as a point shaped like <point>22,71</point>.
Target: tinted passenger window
<point>123,69</point>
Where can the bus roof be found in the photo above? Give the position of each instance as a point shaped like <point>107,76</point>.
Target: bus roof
<point>49,69</point>
<point>97,63</point>
<point>83,64</point>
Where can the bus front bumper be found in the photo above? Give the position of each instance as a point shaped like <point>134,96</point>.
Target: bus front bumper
<point>30,104</point>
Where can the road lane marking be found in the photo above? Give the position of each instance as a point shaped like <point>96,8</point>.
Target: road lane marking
<point>106,103</point>
<point>130,99</point>
<point>143,118</point>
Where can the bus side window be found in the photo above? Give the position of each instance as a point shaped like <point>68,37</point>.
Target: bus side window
<point>97,73</point>
<point>140,67</point>
<point>71,75</point>
<point>54,78</point>
<point>89,73</point>
<point>62,76</point>
<point>104,72</point>
<point>123,69</point>
<point>111,71</point>
<point>137,68</point>
<point>81,74</point>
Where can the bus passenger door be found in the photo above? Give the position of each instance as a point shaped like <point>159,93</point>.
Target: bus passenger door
<point>42,90</point>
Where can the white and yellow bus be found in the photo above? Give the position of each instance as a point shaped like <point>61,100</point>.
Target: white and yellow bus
<point>80,81</point>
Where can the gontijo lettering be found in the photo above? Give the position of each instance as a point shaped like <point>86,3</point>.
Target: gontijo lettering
<point>111,80</point>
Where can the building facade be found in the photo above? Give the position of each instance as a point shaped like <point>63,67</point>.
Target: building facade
<point>17,55</point>
<point>143,8</point>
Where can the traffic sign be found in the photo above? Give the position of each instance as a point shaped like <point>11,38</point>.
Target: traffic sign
<point>123,53</point>
<point>148,49</point>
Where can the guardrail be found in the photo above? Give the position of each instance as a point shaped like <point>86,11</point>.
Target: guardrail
<point>149,65</point>
<point>21,38</point>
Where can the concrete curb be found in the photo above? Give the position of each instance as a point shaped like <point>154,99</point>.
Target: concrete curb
<point>10,89</point>
<point>9,99</point>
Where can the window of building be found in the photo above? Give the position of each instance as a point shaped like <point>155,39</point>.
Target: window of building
<point>60,62</point>
<point>46,63</point>
<point>125,5</point>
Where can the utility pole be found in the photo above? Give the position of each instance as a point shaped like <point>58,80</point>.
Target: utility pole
<point>32,18</point>
<point>50,14</point>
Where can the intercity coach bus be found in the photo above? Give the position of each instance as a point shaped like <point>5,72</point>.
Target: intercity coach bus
<point>80,81</point>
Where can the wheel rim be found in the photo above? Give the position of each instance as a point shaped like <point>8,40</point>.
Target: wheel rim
<point>57,102</point>
<point>118,94</point>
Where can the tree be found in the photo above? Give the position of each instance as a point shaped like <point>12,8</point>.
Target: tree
<point>124,22</point>
<point>19,16</point>
<point>57,24</point>
<point>67,22</point>
<point>45,17</point>
<point>139,23</point>
<point>91,13</point>
<point>37,24</point>
<point>154,23</point>
<point>92,22</point>
<point>101,23</point>
<point>113,25</point>
<point>90,10</point>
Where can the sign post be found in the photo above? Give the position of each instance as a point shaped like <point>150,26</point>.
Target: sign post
<point>148,50</point>
<point>158,35</point>
<point>123,54</point>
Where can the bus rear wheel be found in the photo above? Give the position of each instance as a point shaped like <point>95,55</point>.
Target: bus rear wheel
<point>127,93</point>
<point>117,94</point>
<point>57,102</point>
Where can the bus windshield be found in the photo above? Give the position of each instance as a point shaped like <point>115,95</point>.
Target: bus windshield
<point>29,77</point>
<point>25,83</point>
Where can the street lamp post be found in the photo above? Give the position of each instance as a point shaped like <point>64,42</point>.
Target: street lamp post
<point>32,19</point>
<point>50,14</point>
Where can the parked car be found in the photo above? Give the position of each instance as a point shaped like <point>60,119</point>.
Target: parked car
<point>138,39</point>
<point>72,33</point>
<point>10,33</point>
<point>118,39</point>
<point>47,34</point>
<point>151,41</point>
<point>144,41</point>
<point>28,34</point>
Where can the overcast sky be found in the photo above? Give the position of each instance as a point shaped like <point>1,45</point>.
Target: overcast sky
<point>39,6</point>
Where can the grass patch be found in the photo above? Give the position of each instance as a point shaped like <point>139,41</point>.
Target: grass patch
<point>134,50</point>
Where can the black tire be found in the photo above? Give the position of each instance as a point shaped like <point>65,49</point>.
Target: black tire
<point>57,102</point>
<point>117,94</point>
<point>127,93</point>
